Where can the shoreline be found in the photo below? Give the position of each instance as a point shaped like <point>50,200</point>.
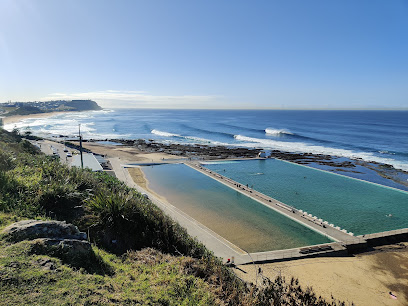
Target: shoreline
<point>17,118</point>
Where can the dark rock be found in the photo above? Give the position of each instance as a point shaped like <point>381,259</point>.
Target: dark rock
<point>62,247</point>
<point>32,229</point>
<point>46,264</point>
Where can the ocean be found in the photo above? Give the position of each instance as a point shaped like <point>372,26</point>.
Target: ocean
<point>380,136</point>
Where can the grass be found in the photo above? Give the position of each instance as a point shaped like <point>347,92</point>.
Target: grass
<point>145,277</point>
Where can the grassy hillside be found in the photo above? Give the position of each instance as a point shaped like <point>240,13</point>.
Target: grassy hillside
<point>145,277</point>
<point>142,256</point>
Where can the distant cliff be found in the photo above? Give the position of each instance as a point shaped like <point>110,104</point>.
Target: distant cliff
<point>27,108</point>
<point>82,105</point>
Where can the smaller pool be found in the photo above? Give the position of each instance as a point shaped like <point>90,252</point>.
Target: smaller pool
<point>109,143</point>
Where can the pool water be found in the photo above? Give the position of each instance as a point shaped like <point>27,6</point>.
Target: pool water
<point>241,220</point>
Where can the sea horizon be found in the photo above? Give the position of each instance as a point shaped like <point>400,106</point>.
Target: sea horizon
<point>264,108</point>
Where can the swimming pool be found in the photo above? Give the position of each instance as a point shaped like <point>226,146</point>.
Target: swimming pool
<point>241,220</point>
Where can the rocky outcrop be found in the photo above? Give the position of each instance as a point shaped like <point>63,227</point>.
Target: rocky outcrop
<point>32,229</point>
<point>56,239</point>
<point>190,150</point>
<point>50,237</point>
<point>63,248</point>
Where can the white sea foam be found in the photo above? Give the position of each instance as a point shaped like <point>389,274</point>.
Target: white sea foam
<point>164,134</point>
<point>306,148</point>
<point>105,111</point>
<point>191,138</point>
<point>277,132</point>
<point>63,124</point>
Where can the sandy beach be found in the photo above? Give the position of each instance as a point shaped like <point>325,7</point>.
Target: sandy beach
<point>365,279</point>
<point>138,177</point>
<point>14,119</point>
<point>125,153</point>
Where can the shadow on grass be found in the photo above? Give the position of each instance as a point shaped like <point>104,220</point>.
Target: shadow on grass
<point>88,262</point>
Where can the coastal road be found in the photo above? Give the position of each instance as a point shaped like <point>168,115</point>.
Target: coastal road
<point>48,147</point>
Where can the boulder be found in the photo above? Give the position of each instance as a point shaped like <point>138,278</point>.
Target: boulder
<point>56,239</point>
<point>32,229</point>
<point>62,247</point>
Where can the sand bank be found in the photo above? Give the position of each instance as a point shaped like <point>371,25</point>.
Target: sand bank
<point>138,177</point>
<point>15,119</point>
<point>365,279</point>
<point>125,153</point>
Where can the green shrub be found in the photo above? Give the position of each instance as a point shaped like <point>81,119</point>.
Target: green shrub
<point>110,208</point>
<point>6,161</point>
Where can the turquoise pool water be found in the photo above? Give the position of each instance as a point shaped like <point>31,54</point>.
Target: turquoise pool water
<point>357,206</point>
<point>239,219</point>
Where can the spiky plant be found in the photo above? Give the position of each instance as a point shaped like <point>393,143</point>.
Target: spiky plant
<point>110,208</point>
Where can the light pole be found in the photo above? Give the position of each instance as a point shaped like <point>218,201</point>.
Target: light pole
<point>80,146</point>
<point>256,268</point>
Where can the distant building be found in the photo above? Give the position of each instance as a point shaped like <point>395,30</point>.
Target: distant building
<point>89,161</point>
<point>264,154</point>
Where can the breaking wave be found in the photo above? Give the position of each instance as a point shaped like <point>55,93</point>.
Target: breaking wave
<point>191,138</point>
<point>164,134</point>
<point>277,132</point>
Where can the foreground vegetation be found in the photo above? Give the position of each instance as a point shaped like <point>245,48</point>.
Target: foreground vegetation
<point>145,277</point>
<point>142,256</point>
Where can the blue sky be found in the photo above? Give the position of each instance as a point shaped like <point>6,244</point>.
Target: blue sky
<point>206,54</point>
